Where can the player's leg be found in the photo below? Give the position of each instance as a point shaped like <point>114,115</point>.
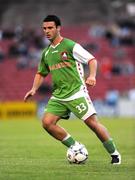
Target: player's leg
<point>93,123</point>
<point>84,109</point>
<point>49,124</point>
<point>103,134</point>
<point>54,112</point>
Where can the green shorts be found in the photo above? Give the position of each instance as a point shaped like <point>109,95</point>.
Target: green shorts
<point>81,107</point>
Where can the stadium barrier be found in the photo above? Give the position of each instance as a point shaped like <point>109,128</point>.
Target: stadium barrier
<point>18,110</point>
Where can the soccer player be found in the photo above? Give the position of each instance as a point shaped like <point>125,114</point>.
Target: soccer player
<point>63,58</point>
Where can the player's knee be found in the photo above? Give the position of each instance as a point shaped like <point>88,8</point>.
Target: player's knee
<point>46,123</point>
<point>92,122</point>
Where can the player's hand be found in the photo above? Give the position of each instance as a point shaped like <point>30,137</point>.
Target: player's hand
<point>91,81</point>
<point>29,94</point>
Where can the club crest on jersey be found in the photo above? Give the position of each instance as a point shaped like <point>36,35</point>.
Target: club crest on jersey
<point>64,55</point>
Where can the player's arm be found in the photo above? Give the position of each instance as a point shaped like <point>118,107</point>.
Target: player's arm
<point>83,56</point>
<point>38,80</point>
<point>42,72</point>
<point>91,79</point>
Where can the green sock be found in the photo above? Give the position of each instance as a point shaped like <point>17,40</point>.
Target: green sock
<point>69,141</point>
<point>109,146</point>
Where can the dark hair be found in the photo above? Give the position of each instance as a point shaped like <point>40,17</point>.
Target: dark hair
<point>53,18</point>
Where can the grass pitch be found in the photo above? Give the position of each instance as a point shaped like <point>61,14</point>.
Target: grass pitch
<point>27,152</point>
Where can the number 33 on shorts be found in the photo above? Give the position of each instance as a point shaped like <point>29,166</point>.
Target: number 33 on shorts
<point>81,107</point>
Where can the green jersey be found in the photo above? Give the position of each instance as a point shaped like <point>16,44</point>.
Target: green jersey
<point>64,62</point>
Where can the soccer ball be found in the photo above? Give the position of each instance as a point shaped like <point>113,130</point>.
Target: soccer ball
<point>77,154</point>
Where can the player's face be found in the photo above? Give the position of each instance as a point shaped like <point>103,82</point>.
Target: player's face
<point>50,30</point>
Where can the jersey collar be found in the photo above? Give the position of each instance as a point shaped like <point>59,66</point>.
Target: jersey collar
<point>57,44</point>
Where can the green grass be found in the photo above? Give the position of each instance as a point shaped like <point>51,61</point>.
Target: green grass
<point>27,152</point>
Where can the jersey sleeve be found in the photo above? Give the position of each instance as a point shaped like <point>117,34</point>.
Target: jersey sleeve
<point>42,67</point>
<point>81,55</point>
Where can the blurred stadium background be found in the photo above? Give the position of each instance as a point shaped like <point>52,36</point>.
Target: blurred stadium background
<point>106,28</point>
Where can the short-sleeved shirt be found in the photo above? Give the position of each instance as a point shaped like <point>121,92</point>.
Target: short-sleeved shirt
<point>64,62</point>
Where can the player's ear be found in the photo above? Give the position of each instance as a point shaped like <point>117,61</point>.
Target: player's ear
<point>58,28</point>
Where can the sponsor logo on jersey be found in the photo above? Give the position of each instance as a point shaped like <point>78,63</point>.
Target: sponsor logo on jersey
<point>64,55</point>
<point>60,65</point>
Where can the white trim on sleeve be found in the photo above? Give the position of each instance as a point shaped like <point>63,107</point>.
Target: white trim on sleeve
<point>81,55</point>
